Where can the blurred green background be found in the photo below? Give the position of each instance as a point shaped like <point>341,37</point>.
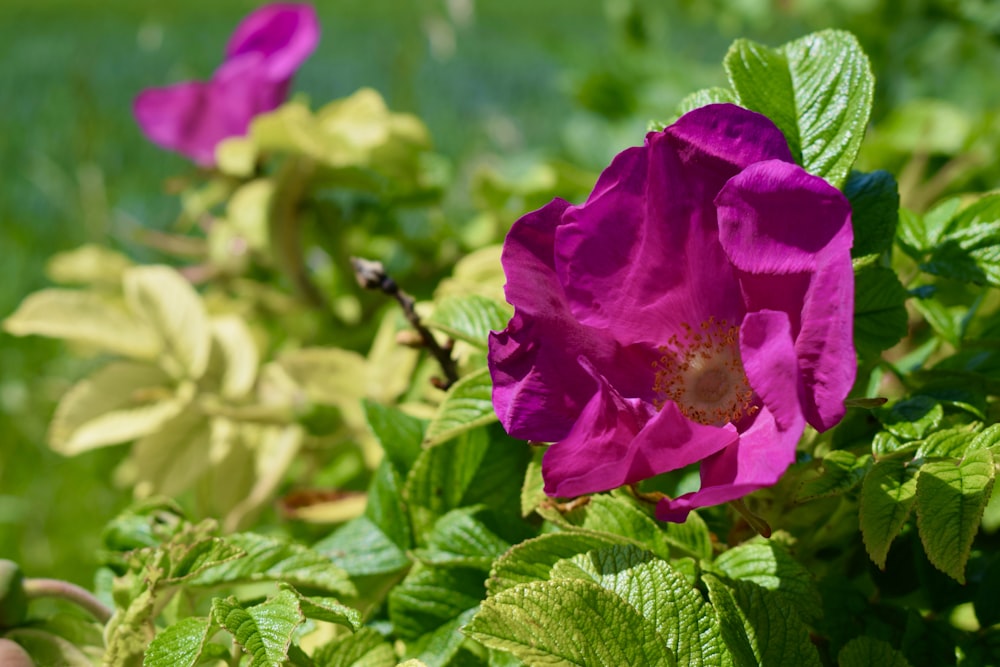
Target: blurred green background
<point>576,80</point>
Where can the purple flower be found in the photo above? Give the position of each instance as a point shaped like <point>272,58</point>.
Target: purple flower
<point>697,308</point>
<point>262,55</point>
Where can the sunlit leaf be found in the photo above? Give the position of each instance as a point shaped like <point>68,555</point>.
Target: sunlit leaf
<point>264,630</point>
<point>759,626</point>
<point>818,90</point>
<point>951,497</point>
<point>532,560</point>
<point>238,349</point>
<point>770,566</point>
<point>467,405</point>
<point>887,496</point>
<point>469,318</point>
<point>458,539</point>
<point>568,622</point>
<point>365,648</point>
<point>89,264</point>
<point>842,472</point>
<point>178,645</point>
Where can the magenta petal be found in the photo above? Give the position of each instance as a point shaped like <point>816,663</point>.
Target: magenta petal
<point>619,441</point>
<point>180,118</point>
<point>771,365</point>
<point>757,461</point>
<point>285,34</point>
<point>776,218</point>
<point>825,344</point>
<point>728,137</point>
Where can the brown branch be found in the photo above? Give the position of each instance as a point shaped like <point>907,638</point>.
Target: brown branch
<point>371,275</point>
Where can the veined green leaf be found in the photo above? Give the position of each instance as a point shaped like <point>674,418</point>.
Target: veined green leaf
<point>842,472</point>
<point>83,317</point>
<point>271,559</point>
<point>912,418</point>
<point>430,597</point>
<point>328,610</point>
<point>365,648</point>
<point>919,234</point>
<point>770,566</point>
<point>467,405</point>
<point>362,549</point>
<point>874,201</point>
<point>164,300</point>
<point>532,560</point>
<point>704,97</point>
<point>887,496</point>
<point>677,610</point>
<point>759,626</point>
<point>119,402</point>
<point>442,646</point>
<point>178,645</point>
<point>970,255</point>
<point>264,630</point>
<point>619,516</point>
<point>879,314</point>
<point>868,651</point>
<point>568,623</point>
<point>950,500</point>
<point>949,442</point>
<point>818,90</point>
<point>469,318</point>
<point>399,434</point>
<point>458,539</point>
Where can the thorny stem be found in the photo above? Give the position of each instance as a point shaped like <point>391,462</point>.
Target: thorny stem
<point>757,523</point>
<point>56,588</point>
<point>371,275</point>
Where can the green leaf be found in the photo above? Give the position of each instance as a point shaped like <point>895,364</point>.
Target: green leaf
<point>178,645</point>
<point>458,539</point>
<point>186,560</point>
<point>704,97</point>
<point>482,466</point>
<point>949,443</point>
<point>759,626</point>
<point>532,560</point>
<point>467,405</point>
<point>362,548</point>
<point>399,434</point>
<point>429,597</point>
<point>470,318</point>
<point>365,648</point>
<point>440,647</point>
<point>818,90</point>
<point>692,536</point>
<point>87,318</point>
<point>918,235</point>
<point>951,498</point>
<point>618,516</point>
<point>887,496</point>
<point>117,403</point>
<point>325,609</point>
<point>568,622</point>
<point>912,418</point>
<point>163,299</point>
<point>880,319</point>
<point>272,559</point>
<point>842,472</point>
<point>533,489</point>
<point>385,506</point>
<point>971,255</point>
<point>874,201</point>
<point>770,566</point>
<point>264,630</point>
<point>677,610</point>
<point>868,651</point>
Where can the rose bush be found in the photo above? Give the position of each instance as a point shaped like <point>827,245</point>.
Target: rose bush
<point>263,54</point>
<point>696,308</point>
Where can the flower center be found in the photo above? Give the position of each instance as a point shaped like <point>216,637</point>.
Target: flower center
<point>701,371</point>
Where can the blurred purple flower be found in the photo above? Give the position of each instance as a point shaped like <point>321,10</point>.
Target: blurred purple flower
<point>262,55</point>
<point>697,308</point>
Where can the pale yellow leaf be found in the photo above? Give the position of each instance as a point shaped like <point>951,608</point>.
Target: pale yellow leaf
<point>161,297</point>
<point>89,318</point>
